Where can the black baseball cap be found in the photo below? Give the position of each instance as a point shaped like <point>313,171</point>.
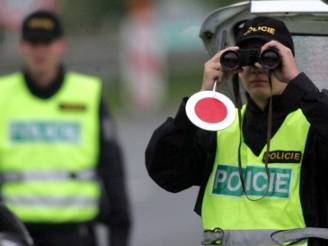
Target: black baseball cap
<point>41,26</point>
<point>266,29</point>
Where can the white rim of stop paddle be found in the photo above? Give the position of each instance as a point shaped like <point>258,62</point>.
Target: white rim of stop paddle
<point>191,113</point>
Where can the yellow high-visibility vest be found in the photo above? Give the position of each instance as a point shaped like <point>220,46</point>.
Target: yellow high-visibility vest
<point>49,150</point>
<point>225,205</point>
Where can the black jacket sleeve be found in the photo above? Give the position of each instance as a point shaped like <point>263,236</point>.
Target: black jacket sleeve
<point>314,104</point>
<point>114,207</point>
<point>179,153</point>
<point>313,182</point>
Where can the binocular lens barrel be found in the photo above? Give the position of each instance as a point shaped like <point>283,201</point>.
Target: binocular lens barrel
<point>270,59</point>
<point>230,60</point>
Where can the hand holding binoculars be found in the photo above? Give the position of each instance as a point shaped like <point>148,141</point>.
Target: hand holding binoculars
<point>232,60</point>
<point>213,111</point>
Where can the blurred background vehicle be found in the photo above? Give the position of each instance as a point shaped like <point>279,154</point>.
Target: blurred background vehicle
<point>166,43</point>
<point>12,231</point>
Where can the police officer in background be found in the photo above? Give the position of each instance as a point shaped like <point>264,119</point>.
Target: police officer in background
<point>248,197</point>
<point>61,164</point>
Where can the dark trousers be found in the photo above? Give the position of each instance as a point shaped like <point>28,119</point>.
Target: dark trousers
<point>72,235</point>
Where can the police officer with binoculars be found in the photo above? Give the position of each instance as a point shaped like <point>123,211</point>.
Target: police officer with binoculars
<point>259,49</point>
<point>249,196</point>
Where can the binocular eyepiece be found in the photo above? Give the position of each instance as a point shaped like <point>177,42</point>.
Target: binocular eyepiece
<point>232,60</point>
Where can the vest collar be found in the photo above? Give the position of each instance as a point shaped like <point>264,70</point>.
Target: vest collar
<point>287,102</point>
<point>41,92</point>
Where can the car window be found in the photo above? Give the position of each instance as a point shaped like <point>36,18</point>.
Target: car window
<point>312,57</point>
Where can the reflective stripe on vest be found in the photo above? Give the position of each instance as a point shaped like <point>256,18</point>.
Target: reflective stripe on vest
<point>262,237</point>
<point>49,149</point>
<point>225,205</point>
<point>77,202</point>
<point>47,175</point>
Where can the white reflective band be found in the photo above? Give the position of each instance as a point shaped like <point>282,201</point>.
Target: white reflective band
<point>262,237</point>
<point>77,202</point>
<point>47,175</point>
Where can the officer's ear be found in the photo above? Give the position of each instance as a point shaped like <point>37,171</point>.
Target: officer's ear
<point>23,46</point>
<point>60,45</point>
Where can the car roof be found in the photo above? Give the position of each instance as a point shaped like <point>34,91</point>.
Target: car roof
<point>217,30</point>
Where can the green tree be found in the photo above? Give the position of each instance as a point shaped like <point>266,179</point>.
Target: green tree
<point>86,14</point>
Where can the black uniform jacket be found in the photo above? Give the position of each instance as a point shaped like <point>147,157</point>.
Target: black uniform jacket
<point>180,155</point>
<point>114,207</point>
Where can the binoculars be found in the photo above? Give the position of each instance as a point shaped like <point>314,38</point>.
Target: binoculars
<point>232,60</point>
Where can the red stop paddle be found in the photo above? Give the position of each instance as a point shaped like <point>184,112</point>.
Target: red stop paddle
<point>210,110</point>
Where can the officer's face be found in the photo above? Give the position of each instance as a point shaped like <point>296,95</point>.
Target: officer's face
<point>255,79</point>
<point>40,57</point>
